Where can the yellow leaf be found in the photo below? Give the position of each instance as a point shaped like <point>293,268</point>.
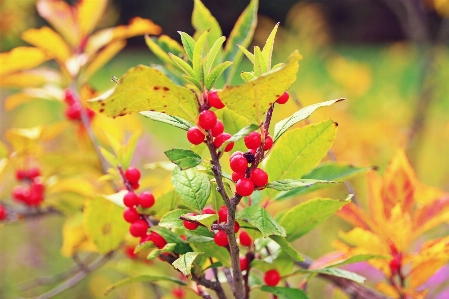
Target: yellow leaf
<point>73,236</point>
<point>388,290</point>
<point>89,13</point>
<point>425,194</point>
<point>31,78</point>
<point>77,185</point>
<point>47,92</point>
<point>25,141</point>
<point>104,56</point>
<point>422,272</point>
<point>398,228</point>
<point>375,203</point>
<point>46,39</point>
<point>22,58</point>
<point>365,239</point>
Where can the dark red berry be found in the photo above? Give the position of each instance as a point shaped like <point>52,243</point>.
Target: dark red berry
<point>245,239</point>
<point>189,224</point>
<point>223,214</point>
<point>129,251</point>
<point>217,129</point>
<point>69,97</point>
<point>268,143</point>
<point>207,119</point>
<point>253,140</point>
<point>243,263</point>
<point>220,139</point>
<point>146,199</point>
<point>3,212</point>
<point>73,112</point>
<point>135,186</point>
<point>214,100</point>
<point>158,240</point>
<point>236,227</point>
<point>239,164</point>
<point>36,194</point>
<point>208,211</point>
<point>130,199</point>
<point>131,215</point>
<point>90,113</point>
<point>138,228</point>
<point>237,176</point>
<point>146,238</point>
<point>195,136</point>
<point>21,174</point>
<point>259,177</point>
<point>132,175</point>
<point>250,156</point>
<point>178,292</point>
<point>244,187</point>
<point>20,193</point>
<point>272,277</point>
<point>283,98</point>
<point>220,238</point>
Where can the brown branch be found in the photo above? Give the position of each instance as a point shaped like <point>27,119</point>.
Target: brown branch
<point>14,214</point>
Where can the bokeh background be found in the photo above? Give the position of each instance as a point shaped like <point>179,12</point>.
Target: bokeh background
<point>388,58</point>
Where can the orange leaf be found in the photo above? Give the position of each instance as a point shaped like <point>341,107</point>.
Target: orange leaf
<point>47,39</point>
<point>430,215</point>
<point>354,215</point>
<point>104,56</point>
<point>388,290</point>
<point>375,204</point>
<point>398,228</point>
<point>426,194</point>
<point>22,58</point>
<point>89,13</point>
<point>328,259</point>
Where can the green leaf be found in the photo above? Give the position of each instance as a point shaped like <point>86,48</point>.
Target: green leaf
<point>356,259</point>
<point>184,158</point>
<point>252,99</point>
<point>198,57</point>
<point>285,293</point>
<point>241,34</point>
<point>143,88</point>
<point>171,219</point>
<point>157,50</point>
<point>163,45</point>
<point>304,217</point>
<point>303,113</point>
<point>239,135</point>
<point>194,81</point>
<point>233,122</point>
<point>168,119</point>
<point>210,249</point>
<point>288,248</point>
<point>183,65</point>
<point>267,50</point>
<point>260,66</point>
<point>169,236</point>
<point>335,272</point>
<point>259,218</point>
<point>207,219</point>
<point>247,76</point>
<point>289,184</point>
<point>104,224</point>
<point>327,172</point>
<point>110,157</point>
<point>184,263</point>
<point>192,186</point>
<point>215,73</point>
<point>143,278</point>
<point>202,21</point>
<point>126,152</point>
<point>213,54</point>
<point>300,150</point>
<point>189,44</point>
<point>169,247</point>
<point>247,53</point>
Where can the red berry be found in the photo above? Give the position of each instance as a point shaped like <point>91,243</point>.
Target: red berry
<point>21,174</point>
<point>132,175</point>
<point>189,224</point>
<point>208,211</point>
<point>220,238</point>
<point>36,194</point>
<point>272,277</point>
<point>139,228</point>
<point>223,214</point>
<point>217,129</point>
<point>20,193</point>
<point>236,227</point>
<point>73,112</point>
<point>268,143</point>
<point>33,173</point>
<point>130,199</point>
<point>214,100</point>
<point>195,136</point>
<point>69,97</point>
<point>236,153</point>
<point>3,212</point>
<point>178,292</point>
<point>237,176</point>
<point>220,139</point>
<point>283,98</point>
<point>90,113</point>
<point>239,164</point>
<point>244,187</point>
<point>135,186</point>
<point>253,140</point>
<point>243,263</point>
<point>245,239</point>
<point>129,251</point>
<point>146,238</point>
<point>207,119</point>
<point>158,240</point>
<point>131,215</point>
<point>259,177</point>
<point>146,199</point>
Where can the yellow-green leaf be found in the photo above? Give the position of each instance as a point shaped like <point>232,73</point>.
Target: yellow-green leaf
<point>203,20</point>
<point>267,50</point>
<point>185,262</point>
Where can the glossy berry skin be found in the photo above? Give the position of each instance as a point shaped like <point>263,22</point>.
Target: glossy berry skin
<point>245,239</point>
<point>220,139</point>
<point>268,143</point>
<point>253,140</point>
<point>208,211</point>
<point>146,238</point>
<point>217,129</point>
<point>73,112</point>
<point>189,224</point>
<point>220,238</point>
<point>207,119</point>
<point>158,240</point>
<point>132,175</point>
<point>223,214</point>
<point>138,228</point>
<point>236,227</point>
<point>195,136</point>
<point>272,277</point>
<point>214,100</point>
<point>146,199</point>
<point>236,153</point>
<point>178,292</point>
<point>244,187</point>
<point>259,177</point>
<point>3,212</point>
<point>283,98</point>
<point>237,176</point>
<point>131,215</point>
<point>243,263</point>
<point>239,164</point>
<point>130,199</point>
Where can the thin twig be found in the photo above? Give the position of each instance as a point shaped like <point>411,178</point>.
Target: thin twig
<point>17,214</point>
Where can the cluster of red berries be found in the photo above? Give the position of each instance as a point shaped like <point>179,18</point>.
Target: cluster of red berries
<point>3,212</point>
<point>74,107</point>
<point>207,121</point>
<point>272,277</point>
<point>32,194</point>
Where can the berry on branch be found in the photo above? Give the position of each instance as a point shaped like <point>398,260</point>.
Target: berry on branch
<point>146,199</point>
<point>283,98</point>
<point>253,140</point>
<point>138,228</point>
<point>245,239</point>
<point>220,139</point>
<point>190,225</point>
<point>272,277</point>
<point>207,119</point>
<point>195,136</point>
<point>132,175</point>
<point>244,187</point>
<point>239,164</point>
<point>220,238</point>
<point>214,100</point>
<point>259,177</point>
